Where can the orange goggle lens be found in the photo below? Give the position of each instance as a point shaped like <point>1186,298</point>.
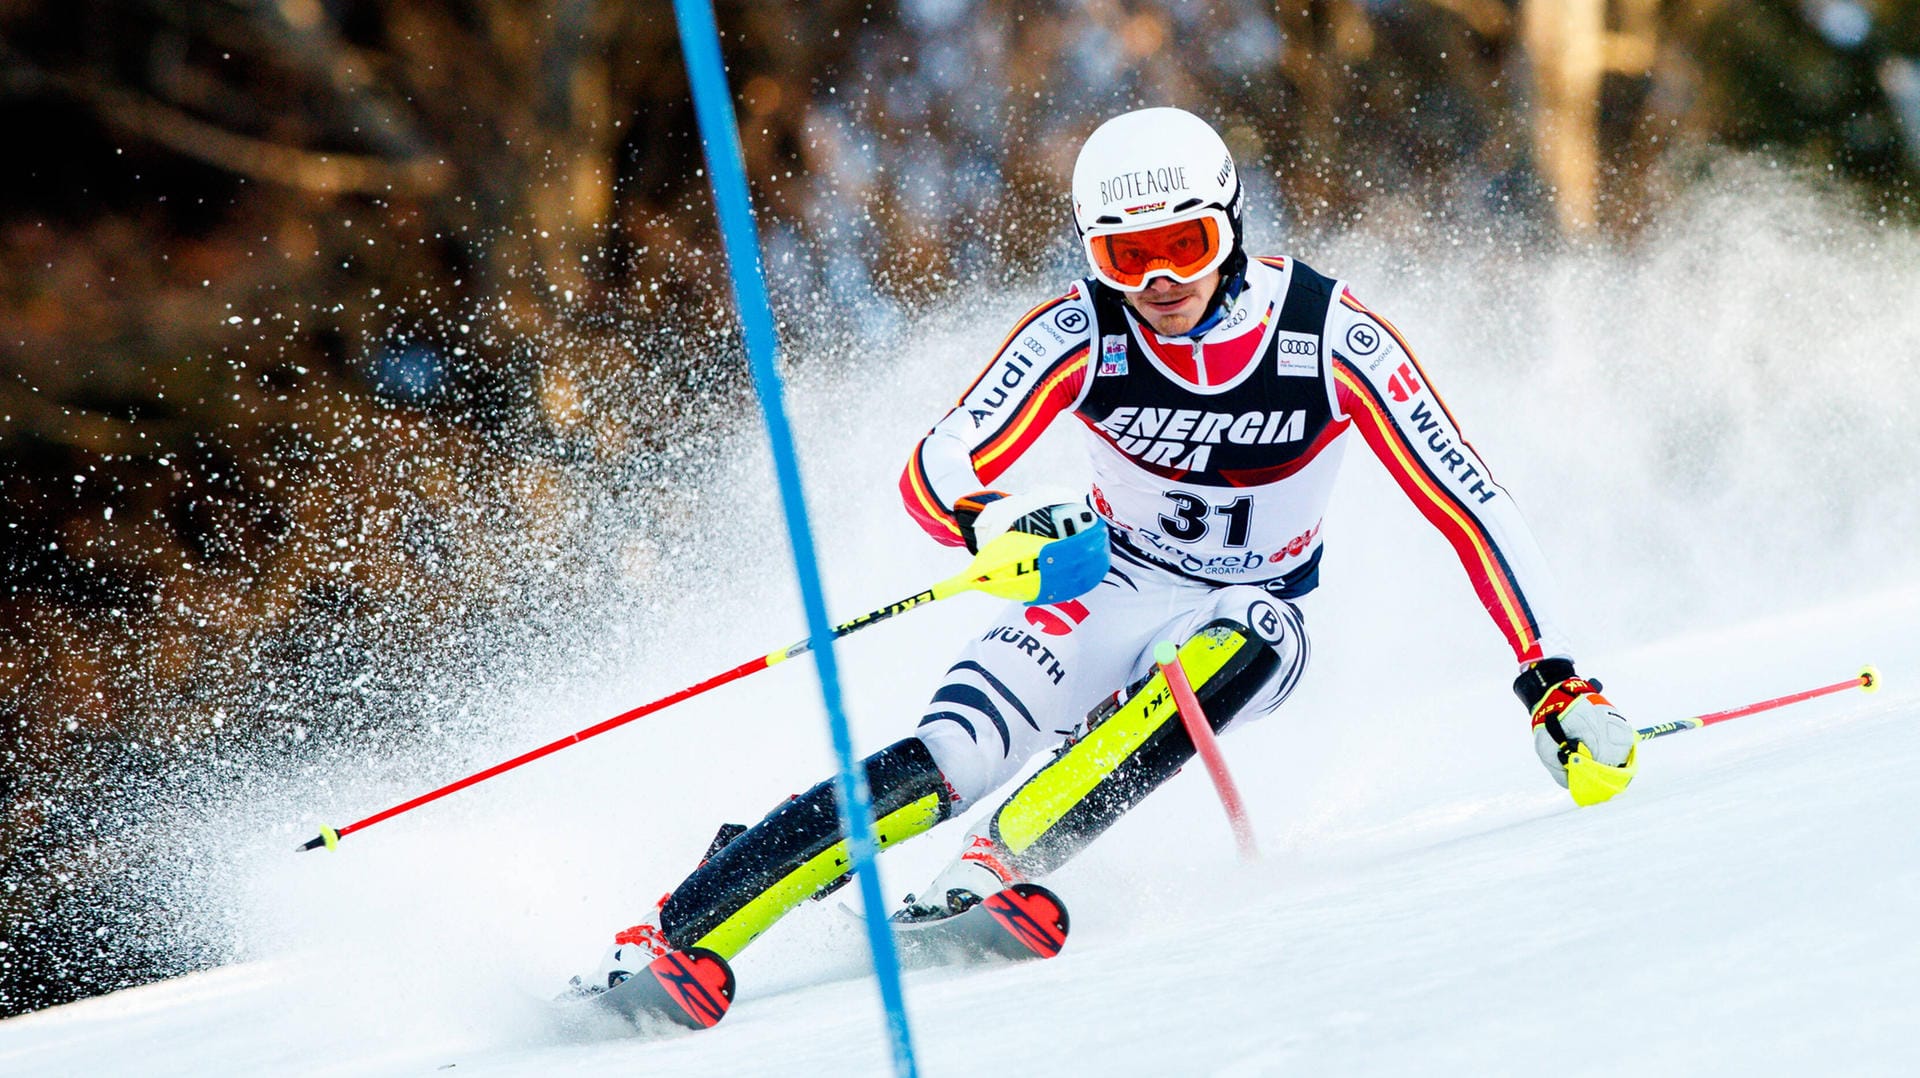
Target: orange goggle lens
<point>1186,250</point>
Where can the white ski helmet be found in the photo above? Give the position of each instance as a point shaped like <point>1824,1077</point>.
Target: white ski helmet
<point>1142,171</point>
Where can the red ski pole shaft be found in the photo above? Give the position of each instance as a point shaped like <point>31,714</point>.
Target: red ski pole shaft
<point>329,837</point>
<point>1867,680</point>
<point>1208,746</point>
<point>1007,567</point>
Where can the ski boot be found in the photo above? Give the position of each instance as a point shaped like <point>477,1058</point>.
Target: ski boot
<point>979,873</point>
<point>632,951</point>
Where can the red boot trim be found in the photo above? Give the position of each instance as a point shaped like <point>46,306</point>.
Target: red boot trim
<point>982,850</point>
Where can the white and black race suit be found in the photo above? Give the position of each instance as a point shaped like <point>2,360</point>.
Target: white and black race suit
<point>1213,460</point>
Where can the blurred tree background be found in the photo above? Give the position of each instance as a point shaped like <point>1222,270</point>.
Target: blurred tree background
<point>305,305</point>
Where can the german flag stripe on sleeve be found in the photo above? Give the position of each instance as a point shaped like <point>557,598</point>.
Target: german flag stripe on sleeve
<point>1020,327</point>
<point>1492,577</point>
<point>1056,390</point>
<point>923,504</point>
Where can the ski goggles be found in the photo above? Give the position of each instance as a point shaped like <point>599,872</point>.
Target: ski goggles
<point>1183,250</point>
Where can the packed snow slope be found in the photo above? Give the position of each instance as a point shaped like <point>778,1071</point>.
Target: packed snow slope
<point>1713,435</point>
<point>1427,905</point>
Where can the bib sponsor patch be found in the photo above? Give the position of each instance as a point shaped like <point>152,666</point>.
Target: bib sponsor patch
<point>1113,356</point>
<point>1299,352</point>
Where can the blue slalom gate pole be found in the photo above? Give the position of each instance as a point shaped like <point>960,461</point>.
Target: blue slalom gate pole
<point>720,137</point>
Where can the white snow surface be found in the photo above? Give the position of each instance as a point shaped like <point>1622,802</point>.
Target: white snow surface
<point>1717,455</point>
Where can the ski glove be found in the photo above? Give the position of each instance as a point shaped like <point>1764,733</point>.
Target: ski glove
<point>967,510</point>
<point>1585,744</point>
<point>988,514</point>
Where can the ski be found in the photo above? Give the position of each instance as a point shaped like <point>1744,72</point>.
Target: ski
<point>692,988</point>
<point>1024,921</point>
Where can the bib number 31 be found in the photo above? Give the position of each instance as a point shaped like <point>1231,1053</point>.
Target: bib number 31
<point>1188,522</point>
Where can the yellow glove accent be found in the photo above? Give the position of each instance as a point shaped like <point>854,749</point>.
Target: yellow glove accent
<point>1591,782</point>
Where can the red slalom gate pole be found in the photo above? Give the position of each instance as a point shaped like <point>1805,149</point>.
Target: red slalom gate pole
<point>1867,680</point>
<point>1168,659</point>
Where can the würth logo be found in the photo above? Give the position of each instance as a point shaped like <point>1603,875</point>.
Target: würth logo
<point>1403,386</point>
<point>1057,619</point>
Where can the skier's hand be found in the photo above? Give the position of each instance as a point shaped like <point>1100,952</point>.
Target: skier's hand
<point>1045,547</point>
<point>1052,514</point>
<point>967,510</point>
<point>1585,744</point>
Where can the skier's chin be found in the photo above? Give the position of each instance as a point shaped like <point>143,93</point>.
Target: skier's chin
<point>1172,323</point>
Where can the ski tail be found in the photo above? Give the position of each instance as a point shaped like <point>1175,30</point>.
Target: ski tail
<point>1032,915</point>
<point>697,986</point>
<point>1023,922</point>
<point>691,988</point>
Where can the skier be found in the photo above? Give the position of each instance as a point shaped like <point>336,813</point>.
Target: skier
<point>1213,390</point>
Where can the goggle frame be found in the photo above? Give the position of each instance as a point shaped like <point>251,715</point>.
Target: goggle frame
<point>1223,245</point>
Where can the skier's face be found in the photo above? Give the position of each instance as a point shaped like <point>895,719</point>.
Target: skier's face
<point>1172,308</point>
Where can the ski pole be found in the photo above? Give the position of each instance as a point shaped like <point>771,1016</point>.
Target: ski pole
<point>1012,566</point>
<point>1168,659</point>
<point>1867,680</point>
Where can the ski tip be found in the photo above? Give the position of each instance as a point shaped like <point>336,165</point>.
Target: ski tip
<point>1869,678</point>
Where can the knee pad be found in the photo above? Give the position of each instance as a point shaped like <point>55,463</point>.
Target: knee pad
<point>1129,751</point>
<point>799,851</point>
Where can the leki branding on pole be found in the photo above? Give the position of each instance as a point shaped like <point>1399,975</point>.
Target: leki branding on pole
<point>1867,680</point>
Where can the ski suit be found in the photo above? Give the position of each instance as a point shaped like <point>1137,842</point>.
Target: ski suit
<point>1213,460</point>
<point>1212,463</point>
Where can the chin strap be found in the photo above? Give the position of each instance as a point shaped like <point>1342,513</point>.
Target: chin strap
<point>1233,281</point>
